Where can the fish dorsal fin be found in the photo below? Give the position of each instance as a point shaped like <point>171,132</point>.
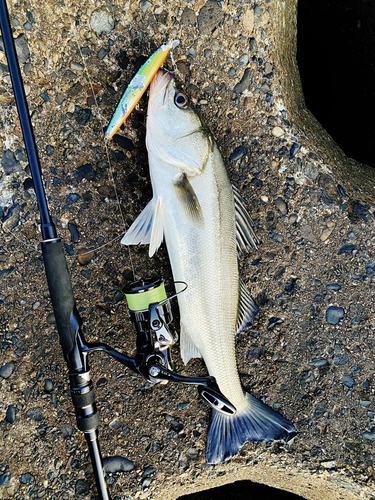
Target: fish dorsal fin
<point>246,238</point>
<point>188,200</point>
<point>187,347</point>
<point>247,309</point>
<point>147,227</point>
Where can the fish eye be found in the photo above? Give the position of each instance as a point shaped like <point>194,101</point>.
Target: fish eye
<point>181,100</point>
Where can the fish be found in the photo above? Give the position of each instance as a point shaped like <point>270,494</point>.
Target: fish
<point>205,225</point>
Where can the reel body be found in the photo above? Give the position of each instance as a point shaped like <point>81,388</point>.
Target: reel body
<point>150,313</point>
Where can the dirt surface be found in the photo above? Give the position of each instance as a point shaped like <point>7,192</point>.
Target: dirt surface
<point>313,209</point>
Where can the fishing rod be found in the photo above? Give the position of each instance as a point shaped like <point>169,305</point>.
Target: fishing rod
<point>149,307</point>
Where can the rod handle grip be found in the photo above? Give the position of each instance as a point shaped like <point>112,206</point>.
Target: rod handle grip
<point>61,292</point>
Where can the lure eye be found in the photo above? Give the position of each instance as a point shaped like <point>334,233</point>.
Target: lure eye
<point>181,100</point>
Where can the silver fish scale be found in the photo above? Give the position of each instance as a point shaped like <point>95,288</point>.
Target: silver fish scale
<point>206,259</point>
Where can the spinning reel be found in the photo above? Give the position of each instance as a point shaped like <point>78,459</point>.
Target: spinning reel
<point>151,314</point>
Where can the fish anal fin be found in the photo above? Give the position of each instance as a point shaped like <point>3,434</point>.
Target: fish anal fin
<point>147,227</point>
<point>188,349</point>
<point>188,200</point>
<point>247,310</point>
<point>246,238</point>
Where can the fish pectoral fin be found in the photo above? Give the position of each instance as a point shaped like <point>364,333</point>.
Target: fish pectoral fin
<point>187,347</point>
<point>147,227</point>
<point>246,239</point>
<point>188,200</point>
<point>247,310</point>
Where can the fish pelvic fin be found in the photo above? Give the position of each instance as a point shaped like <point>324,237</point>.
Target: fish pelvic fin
<point>247,310</point>
<point>188,200</point>
<point>246,238</point>
<point>187,347</point>
<point>256,422</point>
<point>147,227</point>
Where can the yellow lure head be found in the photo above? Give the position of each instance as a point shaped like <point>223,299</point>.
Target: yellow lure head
<point>137,87</point>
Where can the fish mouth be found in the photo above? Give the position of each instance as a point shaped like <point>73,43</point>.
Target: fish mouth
<point>160,84</point>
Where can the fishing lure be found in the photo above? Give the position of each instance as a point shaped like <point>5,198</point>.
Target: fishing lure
<point>137,87</point>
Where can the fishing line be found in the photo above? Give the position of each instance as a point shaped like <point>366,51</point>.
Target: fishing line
<point>107,155</point>
<point>73,30</point>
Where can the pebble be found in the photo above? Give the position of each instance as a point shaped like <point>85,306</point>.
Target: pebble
<point>22,49</point>
<point>48,385</point>
<point>5,479</point>
<point>210,17</point>
<point>276,236</point>
<point>123,142</point>
<point>85,257</point>
<point>7,369</point>
<point>44,95</point>
<point>248,21</point>
<point>207,52</point>
<point>281,205</point>
<point>188,17</point>
<point>253,46</point>
<point>364,404</point>
<point>243,60</point>
<point>277,131</point>
<point>340,359</point>
<point>82,115</point>
<point>320,408</point>
<point>175,423</point>
<point>102,22</point>
<point>237,153</point>
<point>12,218</point>
<point>293,150</point>
<point>258,11</point>
<point>117,464</point>
<point>66,430</point>
<point>26,478</point>
<point>74,234</point>
<point>334,315</point>
<point>348,381</point>
<point>318,363</point>
<point>10,164</point>
<point>370,269</point>
<point>346,248</point>
<point>244,83</point>
<point>118,296</point>
<point>86,171</point>
<point>333,286</point>
<point>268,68</point>
<point>72,198</point>
<point>102,53</point>
<point>273,321</point>
<point>10,415</point>
<point>75,66</point>
<point>145,5</point>
<point>310,170</point>
<point>369,435</point>
<point>82,488</point>
<point>35,414</point>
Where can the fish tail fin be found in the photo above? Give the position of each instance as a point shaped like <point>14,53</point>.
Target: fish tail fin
<point>256,422</point>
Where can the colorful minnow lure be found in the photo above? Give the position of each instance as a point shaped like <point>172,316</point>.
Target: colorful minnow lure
<point>137,87</point>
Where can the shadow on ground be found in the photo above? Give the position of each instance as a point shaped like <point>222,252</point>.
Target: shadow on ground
<point>242,490</point>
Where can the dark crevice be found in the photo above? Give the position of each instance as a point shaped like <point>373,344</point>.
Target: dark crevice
<point>336,59</point>
<point>242,490</point>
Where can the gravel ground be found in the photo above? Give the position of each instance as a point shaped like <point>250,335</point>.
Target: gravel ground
<point>310,353</point>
